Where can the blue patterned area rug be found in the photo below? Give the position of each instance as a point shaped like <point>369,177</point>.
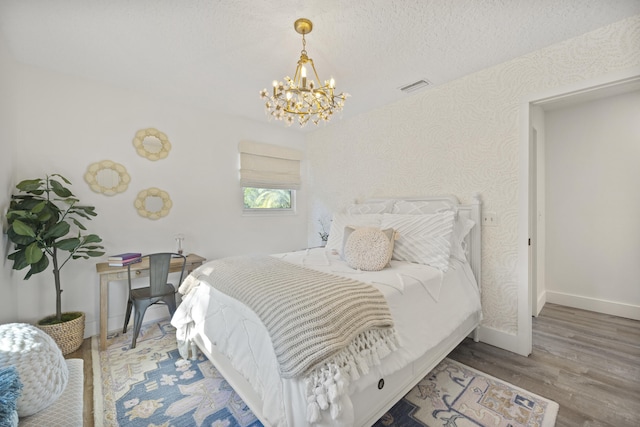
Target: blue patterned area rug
<point>152,386</point>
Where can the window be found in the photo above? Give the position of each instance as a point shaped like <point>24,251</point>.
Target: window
<point>269,176</point>
<point>267,198</point>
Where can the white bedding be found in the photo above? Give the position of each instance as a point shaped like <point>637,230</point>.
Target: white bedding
<point>426,305</point>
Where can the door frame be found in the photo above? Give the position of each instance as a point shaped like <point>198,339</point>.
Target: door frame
<point>606,85</point>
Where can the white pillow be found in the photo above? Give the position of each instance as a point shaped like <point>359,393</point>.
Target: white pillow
<point>342,220</point>
<point>370,208</point>
<point>423,239</point>
<point>461,228</point>
<point>368,248</point>
<point>417,207</point>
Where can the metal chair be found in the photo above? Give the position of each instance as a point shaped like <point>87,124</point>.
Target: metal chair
<point>157,291</point>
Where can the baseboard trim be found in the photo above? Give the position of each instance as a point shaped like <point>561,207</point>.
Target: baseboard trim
<point>613,308</point>
<point>542,300</point>
<point>503,340</point>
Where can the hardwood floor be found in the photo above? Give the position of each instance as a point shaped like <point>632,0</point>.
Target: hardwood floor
<point>589,363</point>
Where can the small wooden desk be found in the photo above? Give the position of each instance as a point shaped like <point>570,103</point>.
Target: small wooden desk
<point>109,274</point>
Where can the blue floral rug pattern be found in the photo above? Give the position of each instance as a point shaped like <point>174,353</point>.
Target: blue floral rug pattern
<point>152,386</point>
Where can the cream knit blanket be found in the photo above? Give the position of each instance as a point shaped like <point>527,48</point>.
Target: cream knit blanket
<point>326,328</point>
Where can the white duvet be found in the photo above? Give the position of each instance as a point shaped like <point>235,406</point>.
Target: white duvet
<point>426,306</point>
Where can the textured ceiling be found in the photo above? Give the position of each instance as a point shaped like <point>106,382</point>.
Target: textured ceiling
<point>218,54</point>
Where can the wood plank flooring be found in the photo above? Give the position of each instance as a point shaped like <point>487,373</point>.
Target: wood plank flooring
<point>589,363</point>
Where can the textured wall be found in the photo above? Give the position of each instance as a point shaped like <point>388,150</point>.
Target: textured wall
<point>460,138</point>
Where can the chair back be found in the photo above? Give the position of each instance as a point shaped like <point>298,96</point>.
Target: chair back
<point>159,265</point>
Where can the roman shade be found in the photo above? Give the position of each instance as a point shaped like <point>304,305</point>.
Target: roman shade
<point>269,166</point>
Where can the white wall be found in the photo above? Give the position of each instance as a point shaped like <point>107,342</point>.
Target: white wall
<point>63,124</point>
<point>593,205</point>
<point>8,308</point>
<point>460,138</point>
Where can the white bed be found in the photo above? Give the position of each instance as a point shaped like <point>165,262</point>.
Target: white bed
<point>432,310</point>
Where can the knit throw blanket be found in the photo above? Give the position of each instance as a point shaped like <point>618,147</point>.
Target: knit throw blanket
<point>327,328</point>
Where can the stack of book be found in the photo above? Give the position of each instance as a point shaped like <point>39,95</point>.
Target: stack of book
<point>122,260</point>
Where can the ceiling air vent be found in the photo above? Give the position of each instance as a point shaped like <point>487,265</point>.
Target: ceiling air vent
<point>412,87</point>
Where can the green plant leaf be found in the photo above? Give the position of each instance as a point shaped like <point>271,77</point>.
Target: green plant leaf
<point>38,267</point>
<point>33,253</point>
<point>71,201</point>
<point>78,224</point>
<point>18,239</point>
<point>92,238</point>
<point>95,253</point>
<point>68,244</point>
<point>29,185</point>
<point>22,229</point>
<point>12,214</point>
<point>80,213</point>
<point>89,249</point>
<point>45,215</point>
<point>39,207</point>
<point>60,229</point>
<point>19,260</point>
<point>88,210</point>
<point>51,212</point>
<point>62,178</point>
<point>59,189</point>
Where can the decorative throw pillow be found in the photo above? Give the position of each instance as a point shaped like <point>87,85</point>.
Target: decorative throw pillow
<point>423,239</point>
<point>368,248</point>
<point>341,220</point>
<point>40,364</point>
<point>10,387</point>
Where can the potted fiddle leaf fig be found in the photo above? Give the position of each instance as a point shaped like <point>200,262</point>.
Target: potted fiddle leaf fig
<point>45,225</point>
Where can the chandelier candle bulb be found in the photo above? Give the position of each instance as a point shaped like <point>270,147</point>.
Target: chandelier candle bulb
<point>304,77</point>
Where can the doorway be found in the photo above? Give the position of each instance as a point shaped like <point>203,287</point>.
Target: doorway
<point>531,253</point>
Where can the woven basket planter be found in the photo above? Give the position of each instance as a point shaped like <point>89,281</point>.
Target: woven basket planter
<point>68,335</point>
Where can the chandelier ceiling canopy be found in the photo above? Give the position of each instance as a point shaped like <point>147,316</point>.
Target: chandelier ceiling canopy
<point>305,97</point>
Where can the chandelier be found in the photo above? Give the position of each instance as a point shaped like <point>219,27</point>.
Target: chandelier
<point>303,98</point>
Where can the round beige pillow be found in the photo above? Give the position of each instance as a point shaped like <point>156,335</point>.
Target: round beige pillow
<point>41,366</point>
<point>368,248</point>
